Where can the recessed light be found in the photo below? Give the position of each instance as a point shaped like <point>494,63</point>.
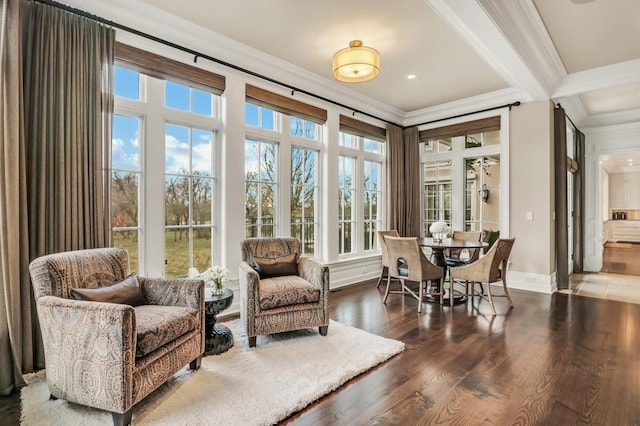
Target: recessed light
<point>411,76</point>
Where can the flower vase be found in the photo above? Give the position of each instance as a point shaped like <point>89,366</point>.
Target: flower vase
<point>218,287</point>
<point>437,236</point>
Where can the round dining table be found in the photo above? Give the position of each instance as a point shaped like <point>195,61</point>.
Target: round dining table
<point>438,258</point>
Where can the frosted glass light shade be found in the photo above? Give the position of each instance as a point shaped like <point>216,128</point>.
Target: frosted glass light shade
<point>356,63</point>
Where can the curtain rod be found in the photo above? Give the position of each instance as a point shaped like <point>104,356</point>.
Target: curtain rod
<point>197,55</point>
<point>511,105</point>
<point>568,118</point>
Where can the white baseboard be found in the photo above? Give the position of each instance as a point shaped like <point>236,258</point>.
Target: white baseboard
<point>532,282</point>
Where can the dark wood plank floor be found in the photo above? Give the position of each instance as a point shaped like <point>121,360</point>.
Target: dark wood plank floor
<point>553,360</point>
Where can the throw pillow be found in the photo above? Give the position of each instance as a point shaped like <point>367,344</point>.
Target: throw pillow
<point>126,292</point>
<point>269,268</point>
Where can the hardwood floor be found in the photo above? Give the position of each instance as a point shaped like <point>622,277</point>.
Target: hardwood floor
<point>553,360</point>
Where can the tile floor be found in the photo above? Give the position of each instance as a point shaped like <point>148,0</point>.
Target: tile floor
<point>623,288</point>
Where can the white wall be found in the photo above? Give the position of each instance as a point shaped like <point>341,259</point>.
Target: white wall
<point>531,192</point>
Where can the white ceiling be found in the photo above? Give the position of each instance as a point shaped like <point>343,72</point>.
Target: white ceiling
<point>474,53</point>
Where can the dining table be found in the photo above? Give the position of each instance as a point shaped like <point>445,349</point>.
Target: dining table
<point>438,258</point>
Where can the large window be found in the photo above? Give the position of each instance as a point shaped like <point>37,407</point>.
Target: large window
<point>261,183</point>
<point>304,187</point>
<point>436,193</point>
<point>462,177</point>
<point>360,203</point>
<point>163,122</point>
<point>282,182</point>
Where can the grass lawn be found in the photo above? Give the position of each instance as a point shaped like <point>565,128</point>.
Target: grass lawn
<point>176,252</point>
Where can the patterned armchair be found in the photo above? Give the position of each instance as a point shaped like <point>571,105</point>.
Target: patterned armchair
<point>278,295</point>
<point>111,355</point>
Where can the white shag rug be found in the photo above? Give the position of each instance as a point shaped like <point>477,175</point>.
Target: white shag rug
<point>243,386</point>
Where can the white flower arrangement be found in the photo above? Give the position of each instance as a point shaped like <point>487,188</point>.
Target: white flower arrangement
<point>218,273</point>
<point>439,230</point>
<point>212,277</point>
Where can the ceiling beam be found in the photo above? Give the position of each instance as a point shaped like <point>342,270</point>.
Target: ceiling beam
<point>614,75</point>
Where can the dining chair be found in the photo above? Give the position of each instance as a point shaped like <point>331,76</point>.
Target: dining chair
<point>455,257</point>
<point>490,268</point>
<point>407,262</point>
<point>385,258</point>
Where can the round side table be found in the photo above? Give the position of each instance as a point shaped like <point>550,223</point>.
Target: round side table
<point>218,337</point>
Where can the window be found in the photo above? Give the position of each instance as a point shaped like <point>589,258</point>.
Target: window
<point>436,193</point>
<point>304,187</point>
<point>282,180</point>
<point>346,195</point>
<point>189,184</point>
<point>482,193</point>
<point>462,176</point>
<point>372,194</point>
<point>260,188</point>
<point>159,121</point>
<point>125,186</point>
<point>360,202</point>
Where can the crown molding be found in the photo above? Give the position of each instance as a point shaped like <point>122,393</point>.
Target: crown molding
<point>521,24</point>
<point>148,19</point>
<point>613,119</point>
<point>472,22</point>
<point>465,106</point>
<point>614,75</point>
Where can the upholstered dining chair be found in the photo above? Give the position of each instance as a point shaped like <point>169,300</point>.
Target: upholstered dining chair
<point>490,268</point>
<point>454,256</point>
<point>111,338</point>
<point>407,262</point>
<point>281,290</point>
<point>384,271</point>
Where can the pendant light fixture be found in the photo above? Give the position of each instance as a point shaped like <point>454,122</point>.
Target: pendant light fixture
<point>356,63</point>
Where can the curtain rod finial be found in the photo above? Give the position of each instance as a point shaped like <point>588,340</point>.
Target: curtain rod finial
<point>195,59</point>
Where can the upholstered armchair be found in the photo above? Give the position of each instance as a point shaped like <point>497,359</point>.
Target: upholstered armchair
<point>280,290</point>
<point>111,355</point>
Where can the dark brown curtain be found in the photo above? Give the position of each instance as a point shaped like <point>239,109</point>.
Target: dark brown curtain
<point>560,171</point>
<point>403,180</point>
<point>69,104</point>
<point>55,117</point>
<point>578,203</point>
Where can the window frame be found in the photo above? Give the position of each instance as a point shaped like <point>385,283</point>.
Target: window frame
<point>153,114</point>
<point>457,156</point>
<point>358,152</point>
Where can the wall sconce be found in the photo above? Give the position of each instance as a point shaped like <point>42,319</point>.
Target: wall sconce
<point>484,193</point>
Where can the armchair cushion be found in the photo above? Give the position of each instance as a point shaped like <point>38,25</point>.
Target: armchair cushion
<point>276,267</point>
<point>158,325</point>
<point>286,290</point>
<point>126,291</point>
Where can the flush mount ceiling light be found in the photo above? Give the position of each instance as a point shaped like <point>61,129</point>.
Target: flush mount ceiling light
<point>356,63</point>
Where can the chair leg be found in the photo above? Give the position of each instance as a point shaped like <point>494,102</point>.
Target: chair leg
<point>493,309</point>
<point>450,291</point>
<point>442,292</point>
<point>195,364</point>
<point>386,292</point>
<point>420,295</point>
<point>52,398</point>
<point>122,419</point>
<point>506,292</point>
<point>252,341</point>
<point>323,330</point>
<point>382,274</point>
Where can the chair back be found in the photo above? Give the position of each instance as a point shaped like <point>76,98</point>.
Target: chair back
<point>419,267</point>
<point>501,252</point>
<point>54,274</point>
<point>383,244</point>
<point>270,248</point>
<point>474,254</point>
